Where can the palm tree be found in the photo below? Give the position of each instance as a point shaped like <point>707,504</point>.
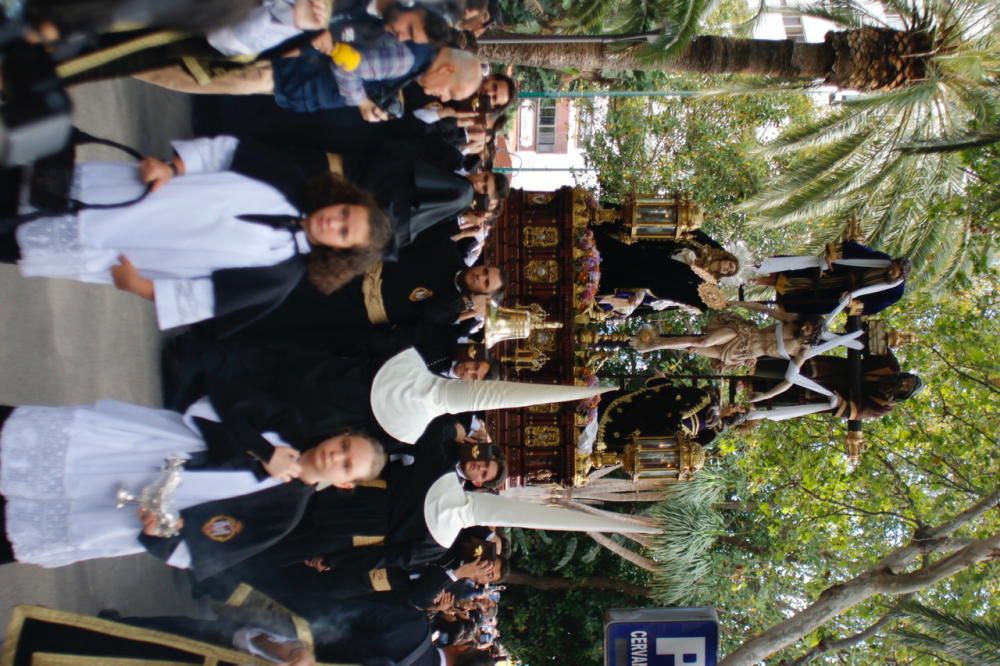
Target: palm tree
<point>886,157</point>
<point>948,636</point>
<point>691,522</point>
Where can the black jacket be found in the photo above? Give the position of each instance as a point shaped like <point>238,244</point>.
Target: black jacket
<point>416,192</point>
<point>243,295</point>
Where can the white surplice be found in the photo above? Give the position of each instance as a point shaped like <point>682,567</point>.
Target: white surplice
<point>61,469</point>
<point>177,236</point>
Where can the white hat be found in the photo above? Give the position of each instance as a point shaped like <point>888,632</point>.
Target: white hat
<point>406,396</point>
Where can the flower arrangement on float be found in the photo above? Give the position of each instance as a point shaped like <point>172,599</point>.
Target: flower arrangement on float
<point>586,269</point>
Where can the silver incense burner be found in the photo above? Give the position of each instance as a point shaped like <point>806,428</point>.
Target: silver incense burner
<point>155,497</point>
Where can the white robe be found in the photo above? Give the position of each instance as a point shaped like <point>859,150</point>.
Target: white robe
<point>264,27</point>
<point>61,469</point>
<point>177,236</point>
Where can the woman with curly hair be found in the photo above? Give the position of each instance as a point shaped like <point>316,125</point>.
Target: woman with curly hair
<point>226,233</point>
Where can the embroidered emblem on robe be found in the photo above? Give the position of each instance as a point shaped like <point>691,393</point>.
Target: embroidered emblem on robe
<point>380,580</point>
<point>221,528</point>
<point>420,294</point>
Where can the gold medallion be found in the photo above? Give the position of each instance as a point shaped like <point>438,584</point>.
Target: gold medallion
<point>420,294</point>
<point>221,528</point>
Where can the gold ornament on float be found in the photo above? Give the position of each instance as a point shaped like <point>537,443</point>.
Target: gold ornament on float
<point>542,270</point>
<point>535,236</point>
<point>541,436</point>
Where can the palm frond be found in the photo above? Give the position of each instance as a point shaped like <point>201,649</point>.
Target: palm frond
<point>950,144</point>
<point>680,21</point>
<point>846,13</point>
<point>811,135</point>
<point>691,524</point>
<point>826,170</point>
<point>586,15</point>
<point>748,28</point>
<point>974,641</point>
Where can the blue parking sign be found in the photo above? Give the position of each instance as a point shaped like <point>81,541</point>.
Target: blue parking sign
<point>661,637</point>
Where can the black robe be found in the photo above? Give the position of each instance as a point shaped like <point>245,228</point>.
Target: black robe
<point>381,527</point>
<point>419,288</point>
<point>826,287</point>
<point>190,361</point>
<point>222,533</point>
<point>646,266</point>
<point>660,410</point>
<point>416,192</point>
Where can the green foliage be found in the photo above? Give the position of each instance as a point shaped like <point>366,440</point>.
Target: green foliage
<point>950,636</point>
<point>556,627</point>
<point>562,626</point>
<point>891,159</point>
<point>799,518</point>
<point>702,145</point>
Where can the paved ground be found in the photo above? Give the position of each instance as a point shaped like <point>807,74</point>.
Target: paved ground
<point>66,343</point>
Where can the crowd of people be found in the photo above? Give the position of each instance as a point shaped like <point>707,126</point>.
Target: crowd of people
<point>330,278</point>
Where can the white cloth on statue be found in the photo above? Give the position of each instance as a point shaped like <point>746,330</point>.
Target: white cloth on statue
<point>685,256</point>
<point>176,236</point>
<point>793,373</point>
<point>61,468</point>
<point>858,293</point>
<point>264,27</point>
<point>782,264</point>
<point>792,411</point>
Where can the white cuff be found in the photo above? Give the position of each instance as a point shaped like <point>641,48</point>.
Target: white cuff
<point>428,116</point>
<point>206,155</point>
<point>181,557</point>
<point>179,301</point>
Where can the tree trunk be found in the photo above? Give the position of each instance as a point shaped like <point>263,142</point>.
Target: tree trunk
<point>839,598</point>
<point>868,58</point>
<point>705,54</point>
<point>623,552</point>
<point>549,583</point>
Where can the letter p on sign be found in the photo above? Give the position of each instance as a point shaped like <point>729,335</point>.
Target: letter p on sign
<point>685,651</point>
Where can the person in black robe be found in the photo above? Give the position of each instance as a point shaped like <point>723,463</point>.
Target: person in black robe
<point>386,530</point>
<point>818,291</point>
<point>429,284</point>
<point>883,385</point>
<point>645,266</point>
<point>256,512</point>
<point>316,249</point>
<point>191,361</point>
